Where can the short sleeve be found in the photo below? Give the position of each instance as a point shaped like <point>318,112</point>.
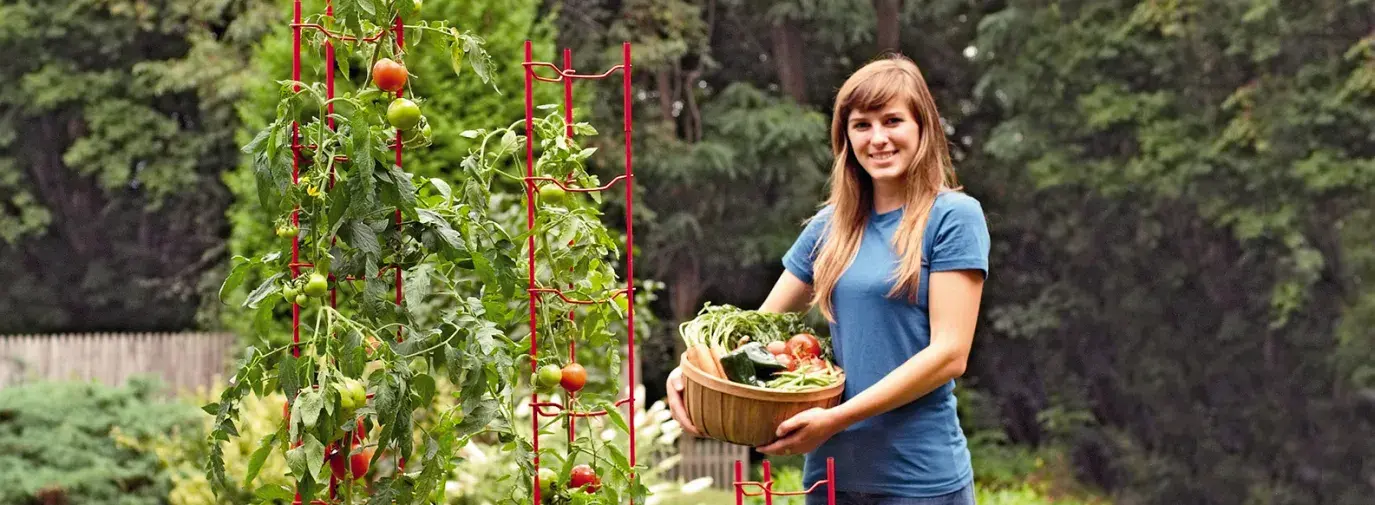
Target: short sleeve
<point>802,254</point>
<point>961,241</point>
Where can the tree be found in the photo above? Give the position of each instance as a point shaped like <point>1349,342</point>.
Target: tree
<point>1173,190</point>
<point>116,127</point>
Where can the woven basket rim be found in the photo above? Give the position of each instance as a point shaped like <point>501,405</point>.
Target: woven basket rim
<point>695,374</point>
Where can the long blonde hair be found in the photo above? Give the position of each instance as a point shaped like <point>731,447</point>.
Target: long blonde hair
<point>870,88</point>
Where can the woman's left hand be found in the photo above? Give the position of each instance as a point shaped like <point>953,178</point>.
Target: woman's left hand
<point>804,432</point>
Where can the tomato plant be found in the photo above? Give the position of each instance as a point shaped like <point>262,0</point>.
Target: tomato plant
<point>398,286</point>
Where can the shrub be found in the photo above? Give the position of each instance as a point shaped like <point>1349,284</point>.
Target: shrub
<point>56,443</point>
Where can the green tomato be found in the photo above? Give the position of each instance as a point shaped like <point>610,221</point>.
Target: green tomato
<point>547,476</point>
<point>548,376</point>
<point>358,391</point>
<point>403,114</point>
<point>346,398</point>
<point>302,299</point>
<point>290,293</point>
<point>317,286</point>
<point>552,194</point>
<point>287,231</point>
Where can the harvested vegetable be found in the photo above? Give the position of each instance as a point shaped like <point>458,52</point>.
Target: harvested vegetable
<point>723,326</point>
<point>750,364</point>
<point>775,351</point>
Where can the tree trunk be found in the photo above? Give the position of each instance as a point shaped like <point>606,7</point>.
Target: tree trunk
<point>684,294</point>
<point>787,56</point>
<point>888,27</point>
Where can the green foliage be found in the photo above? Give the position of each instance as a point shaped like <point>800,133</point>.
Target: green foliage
<point>117,121</point>
<point>58,442</point>
<point>1176,197</point>
<point>453,103</point>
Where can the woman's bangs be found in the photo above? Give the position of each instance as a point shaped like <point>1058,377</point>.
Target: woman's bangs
<point>879,90</point>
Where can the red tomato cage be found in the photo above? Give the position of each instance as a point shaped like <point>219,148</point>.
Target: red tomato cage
<point>567,76</point>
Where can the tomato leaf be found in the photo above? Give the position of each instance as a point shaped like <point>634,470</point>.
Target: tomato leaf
<point>361,159</point>
<point>347,10</point>
<point>456,58</point>
<point>236,275</point>
<point>477,419</point>
<point>614,414</point>
<point>374,290</point>
<point>296,460</point>
<point>310,403</point>
<point>267,288</point>
<point>384,496</point>
<point>405,190</point>
<point>441,227</point>
<point>255,462</point>
<point>618,458</point>
<point>424,387</point>
<point>314,454</point>
<point>361,236</point>
<point>287,376</point>
<point>367,7</point>
<point>443,189</point>
<point>273,493</point>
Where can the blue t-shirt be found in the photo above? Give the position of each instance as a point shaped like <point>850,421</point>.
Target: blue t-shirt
<point>918,449</point>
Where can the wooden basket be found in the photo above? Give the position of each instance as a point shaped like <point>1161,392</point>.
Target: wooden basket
<point>743,414</point>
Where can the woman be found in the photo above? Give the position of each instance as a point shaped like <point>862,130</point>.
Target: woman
<point>896,261</point>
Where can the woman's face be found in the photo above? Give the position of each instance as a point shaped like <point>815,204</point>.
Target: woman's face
<point>884,140</point>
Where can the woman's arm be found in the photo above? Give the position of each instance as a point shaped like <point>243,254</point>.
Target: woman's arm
<point>954,304</point>
<point>789,294</point>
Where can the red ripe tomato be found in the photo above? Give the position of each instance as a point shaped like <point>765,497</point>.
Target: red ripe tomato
<point>804,346</point>
<point>337,462</point>
<point>389,75</point>
<point>583,475</point>
<point>359,462</point>
<point>573,378</point>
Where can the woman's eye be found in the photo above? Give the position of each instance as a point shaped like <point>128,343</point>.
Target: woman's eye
<point>894,120</point>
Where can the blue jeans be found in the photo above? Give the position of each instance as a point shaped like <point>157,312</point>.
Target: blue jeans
<point>962,497</point>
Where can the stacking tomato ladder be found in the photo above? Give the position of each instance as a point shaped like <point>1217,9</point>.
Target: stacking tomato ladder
<point>765,487</point>
<point>567,76</point>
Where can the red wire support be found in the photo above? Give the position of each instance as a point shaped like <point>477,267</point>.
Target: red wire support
<point>567,76</point>
<point>332,35</point>
<point>539,407</point>
<point>565,298</point>
<point>765,487</point>
<point>571,189</point>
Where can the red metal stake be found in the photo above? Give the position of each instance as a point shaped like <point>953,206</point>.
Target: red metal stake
<point>530,224</point>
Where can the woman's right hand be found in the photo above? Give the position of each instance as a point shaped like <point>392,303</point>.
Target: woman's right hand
<point>674,391</point>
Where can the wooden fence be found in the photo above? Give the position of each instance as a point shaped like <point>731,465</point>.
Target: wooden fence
<point>704,457</point>
<point>182,360</point>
